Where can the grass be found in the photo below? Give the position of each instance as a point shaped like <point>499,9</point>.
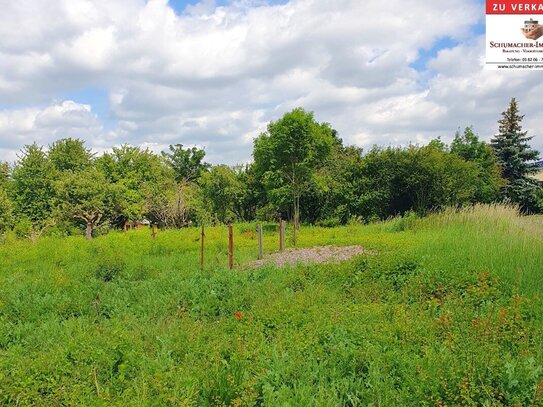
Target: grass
<point>449,312</point>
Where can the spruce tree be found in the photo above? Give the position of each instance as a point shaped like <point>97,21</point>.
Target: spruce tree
<point>516,158</point>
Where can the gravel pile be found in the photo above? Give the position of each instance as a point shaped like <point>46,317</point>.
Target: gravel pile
<point>313,255</point>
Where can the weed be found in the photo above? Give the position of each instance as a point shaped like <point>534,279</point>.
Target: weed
<point>447,311</point>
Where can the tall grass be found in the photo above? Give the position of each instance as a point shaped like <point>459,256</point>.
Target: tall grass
<point>447,311</point>
<point>485,238</point>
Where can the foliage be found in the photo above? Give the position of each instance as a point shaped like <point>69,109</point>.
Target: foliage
<point>173,204</point>
<point>187,164</point>
<point>6,205</point>
<point>446,311</point>
<point>221,191</point>
<point>85,196</point>
<point>288,153</point>
<point>70,155</point>
<point>393,181</point>
<point>130,169</point>
<point>4,175</point>
<point>33,190</point>
<point>489,180</point>
<point>250,194</point>
<point>517,159</point>
<point>6,211</point>
<point>301,171</point>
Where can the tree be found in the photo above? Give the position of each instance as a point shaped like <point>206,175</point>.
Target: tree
<point>391,181</point>
<point>70,155</point>
<point>287,155</point>
<point>347,188</point>
<point>6,205</point>
<point>173,204</point>
<point>85,196</point>
<point>250,193</point>
<point>130,170</point>
<point>467,146</point>
<point>187,164</point>
<point>33,189</point>
<point>4,175</point>
<point>6,211</point>
<point>221,189</point>
<point>516,158</point>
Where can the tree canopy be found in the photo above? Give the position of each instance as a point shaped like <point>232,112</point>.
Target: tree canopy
<point>301,171</point>
<point>517,159</point>
<point>288,153</point>
<point>187,163</point>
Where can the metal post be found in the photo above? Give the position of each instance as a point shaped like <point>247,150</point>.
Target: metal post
<point>281,235</point>
<point>231,246</point>
<point>202,237</point>
<point>260,245</point>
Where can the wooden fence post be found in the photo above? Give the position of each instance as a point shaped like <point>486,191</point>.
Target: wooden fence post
<point>281,235</point>
<point>153,230</point>
<point>202,237</point>
<point>231,246</point>
<point>260,245</point>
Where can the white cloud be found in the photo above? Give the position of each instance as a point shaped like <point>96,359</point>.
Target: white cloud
<point>64,119</point>
<point>214,76</point>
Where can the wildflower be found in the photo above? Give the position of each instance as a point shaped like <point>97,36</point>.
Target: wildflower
<point>239,315</point>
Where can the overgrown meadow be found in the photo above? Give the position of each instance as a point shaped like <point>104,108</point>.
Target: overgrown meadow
<point>445,310</point>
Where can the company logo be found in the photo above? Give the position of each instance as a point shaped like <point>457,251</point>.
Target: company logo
<point>532,29</point>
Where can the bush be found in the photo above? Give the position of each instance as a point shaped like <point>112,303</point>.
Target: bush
<point>109,269</point>
<point>22,228</point>
<point>403,223</point>
<point>329,223</point>
<point>268,213</point>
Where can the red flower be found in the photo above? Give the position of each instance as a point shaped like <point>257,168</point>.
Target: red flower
<point>239,315</point>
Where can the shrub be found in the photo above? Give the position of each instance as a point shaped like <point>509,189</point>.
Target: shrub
<point>109,269</point>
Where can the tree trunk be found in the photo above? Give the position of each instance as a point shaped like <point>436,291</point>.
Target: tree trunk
<point>88,231</point>
<point>296,220</point>
<point>33,237</point>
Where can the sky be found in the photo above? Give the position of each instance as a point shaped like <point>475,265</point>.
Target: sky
<point>214,73</point>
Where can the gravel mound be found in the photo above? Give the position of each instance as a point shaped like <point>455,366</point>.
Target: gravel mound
<point>313,255</point>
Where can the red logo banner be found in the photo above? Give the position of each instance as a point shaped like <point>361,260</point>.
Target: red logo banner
<point>514,6</point>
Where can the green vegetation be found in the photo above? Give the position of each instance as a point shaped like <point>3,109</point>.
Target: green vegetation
<point>446,311</point>
<point>288,155</point>
<point>443,310</point>
<point>301,171</point>
<point>516,158</point>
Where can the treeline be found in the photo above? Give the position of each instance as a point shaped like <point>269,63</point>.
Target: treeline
<point>301,170</point>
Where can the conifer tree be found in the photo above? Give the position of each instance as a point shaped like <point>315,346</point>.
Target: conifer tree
<point>516,158</point>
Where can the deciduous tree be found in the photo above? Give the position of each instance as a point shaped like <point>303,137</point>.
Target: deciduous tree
<point>130,169</point>
<point>187,163</point>
<point>86,196</point>
<point>221,189</point>
<point>467,146</point>
<point>70,155</point>
<point>33,189</point>
<point>287,155</point>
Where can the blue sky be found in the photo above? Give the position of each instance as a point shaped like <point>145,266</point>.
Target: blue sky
<point>98,97</point>
<point>180,5</point>
<point>95,97</point>
<point>156,73</point>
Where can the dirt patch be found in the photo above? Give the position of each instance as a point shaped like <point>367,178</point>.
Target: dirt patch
<point>313,255</point>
